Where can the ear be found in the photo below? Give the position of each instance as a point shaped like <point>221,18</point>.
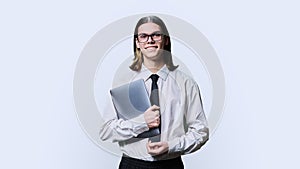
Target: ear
<point>166,41</point>
<point>137,44</point>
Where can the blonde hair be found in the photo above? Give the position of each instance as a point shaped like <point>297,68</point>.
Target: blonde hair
<point>138,56</point>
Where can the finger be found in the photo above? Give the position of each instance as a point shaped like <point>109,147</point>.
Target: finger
<point>154,107</point>
<point>153,124</point>
<point>158,121</point>
<point>155,151</point>
<point>155,120</point>
<point>155,144</point>
<point>157,113</point>
<point>152,152</point>
<point>150,146</point>
<point>149,149</point>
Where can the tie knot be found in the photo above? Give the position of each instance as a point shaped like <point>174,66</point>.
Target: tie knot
<point>154,77</point>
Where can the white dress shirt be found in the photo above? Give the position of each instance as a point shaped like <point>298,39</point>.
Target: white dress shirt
<point>183,122</point>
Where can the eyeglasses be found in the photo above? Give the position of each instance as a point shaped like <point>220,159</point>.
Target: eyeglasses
<point>142,38</point>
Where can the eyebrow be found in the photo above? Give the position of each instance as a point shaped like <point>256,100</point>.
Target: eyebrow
<point>150,33</point>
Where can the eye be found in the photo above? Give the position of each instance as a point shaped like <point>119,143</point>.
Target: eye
<point>156,35</point>
<point>142,36</point>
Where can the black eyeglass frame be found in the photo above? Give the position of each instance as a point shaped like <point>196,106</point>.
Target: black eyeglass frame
<point>151,35</point>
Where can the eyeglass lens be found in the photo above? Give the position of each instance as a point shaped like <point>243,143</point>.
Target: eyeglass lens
<point>145,37</point>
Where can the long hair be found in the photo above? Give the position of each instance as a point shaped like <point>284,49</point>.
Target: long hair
<point>138,56</point>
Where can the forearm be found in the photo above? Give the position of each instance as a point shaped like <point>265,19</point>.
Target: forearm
<point>120,130</point>
<point>190,142</point>
<point>197,128</point>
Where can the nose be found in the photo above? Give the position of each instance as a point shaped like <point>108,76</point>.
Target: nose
<point>151,39</point>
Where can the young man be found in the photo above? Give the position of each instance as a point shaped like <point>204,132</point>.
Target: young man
<point>178,111</point>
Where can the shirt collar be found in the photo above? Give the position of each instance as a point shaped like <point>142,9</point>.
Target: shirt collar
<point>162,73</point>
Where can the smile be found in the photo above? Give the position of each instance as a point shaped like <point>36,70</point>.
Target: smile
<point>151,47</point>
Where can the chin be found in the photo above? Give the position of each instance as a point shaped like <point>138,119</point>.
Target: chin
<point>153,56</point>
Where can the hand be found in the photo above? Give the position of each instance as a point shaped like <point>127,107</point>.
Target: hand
<point>157,148</point>
<point>151,116</point>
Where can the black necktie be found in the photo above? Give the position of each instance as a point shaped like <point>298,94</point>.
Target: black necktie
<point>154,99</point>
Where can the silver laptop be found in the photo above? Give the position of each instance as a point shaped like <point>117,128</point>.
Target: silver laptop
<point>130,100</point>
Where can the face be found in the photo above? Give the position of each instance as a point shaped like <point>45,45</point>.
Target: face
<point>150,46</point>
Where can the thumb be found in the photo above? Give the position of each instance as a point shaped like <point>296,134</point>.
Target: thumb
<point>154,107</point>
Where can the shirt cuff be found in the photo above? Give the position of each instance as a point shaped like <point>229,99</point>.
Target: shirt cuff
<point>139,124</point>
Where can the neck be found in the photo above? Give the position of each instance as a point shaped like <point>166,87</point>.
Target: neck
<point>154,65</point>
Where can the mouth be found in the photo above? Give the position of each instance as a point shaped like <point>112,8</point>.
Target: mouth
<point>151,47</point>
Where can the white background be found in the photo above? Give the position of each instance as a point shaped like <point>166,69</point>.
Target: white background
<point>257,43</point>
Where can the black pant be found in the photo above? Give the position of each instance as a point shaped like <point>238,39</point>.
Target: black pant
<point>132,163</point>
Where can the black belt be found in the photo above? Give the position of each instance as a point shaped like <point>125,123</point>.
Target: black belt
<point>166,164</point>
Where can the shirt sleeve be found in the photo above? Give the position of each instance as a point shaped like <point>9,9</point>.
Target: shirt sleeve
<point>116,130</point>
<point>197,128</point>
